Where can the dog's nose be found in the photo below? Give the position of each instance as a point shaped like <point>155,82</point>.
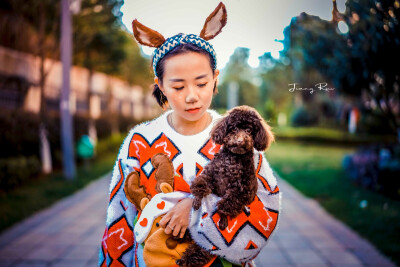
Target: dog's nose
<point>240,140</point>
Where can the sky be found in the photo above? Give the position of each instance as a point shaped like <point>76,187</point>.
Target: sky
<point>254,24</point>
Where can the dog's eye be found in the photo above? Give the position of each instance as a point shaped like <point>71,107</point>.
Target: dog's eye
<point>247,131</point>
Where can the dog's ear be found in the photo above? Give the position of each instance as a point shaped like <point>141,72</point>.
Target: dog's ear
<point>214,23</point>
<point>263,135</point>
<point>146,36</point>
<point>219,131</point>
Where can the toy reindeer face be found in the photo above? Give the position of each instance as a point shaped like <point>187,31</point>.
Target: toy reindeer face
<point>212,27</point>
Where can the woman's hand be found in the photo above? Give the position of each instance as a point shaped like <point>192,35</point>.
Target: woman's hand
<point>176,220</point>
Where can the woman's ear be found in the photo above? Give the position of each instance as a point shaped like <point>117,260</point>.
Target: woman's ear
<point>216,81</point>
<point>146,36</point>
<point>216,73</point>
<point>214,23</point>
<point>157,81</point>
<point>219,131</point>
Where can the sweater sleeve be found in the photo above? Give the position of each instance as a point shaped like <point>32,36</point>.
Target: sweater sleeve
<point>118,244</point>
<point>245,236</point>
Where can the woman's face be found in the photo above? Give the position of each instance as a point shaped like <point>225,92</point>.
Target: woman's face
<point>188,84</point>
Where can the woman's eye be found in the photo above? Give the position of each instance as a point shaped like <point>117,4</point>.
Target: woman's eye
<point>178,88</point>
<point>202,85</point>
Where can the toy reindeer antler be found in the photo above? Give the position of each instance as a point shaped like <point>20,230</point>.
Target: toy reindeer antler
<point>214,23</point>
<point>212,27</point>
<point>135,192</point>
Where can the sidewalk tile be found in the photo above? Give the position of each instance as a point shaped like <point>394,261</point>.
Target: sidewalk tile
<point>63,238</point>
<point>46,252</point>
<point>15,252</point>
<point>70,263</point>
<point>81,252</point>
<point>271,257</point>
<point>6,262</point>
<point>30,238</point>
<point>306,257</point>
<point>31,264</point>
<point>340,257</point>
<point>94,262</point>
<point>372,258</point>
<point>325,243</point>
<point>292,242</point>
<point>92,239</point>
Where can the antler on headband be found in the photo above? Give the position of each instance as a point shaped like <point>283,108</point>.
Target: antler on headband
<point>214,23</point>
<point>212,27</point>
<point>147,36</point>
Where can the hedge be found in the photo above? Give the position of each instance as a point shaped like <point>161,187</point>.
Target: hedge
<point>20,153</point>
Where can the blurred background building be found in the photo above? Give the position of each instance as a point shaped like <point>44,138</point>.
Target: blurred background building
<point>20,89</point>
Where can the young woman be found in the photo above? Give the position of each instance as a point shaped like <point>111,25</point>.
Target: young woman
<point>186,79</point>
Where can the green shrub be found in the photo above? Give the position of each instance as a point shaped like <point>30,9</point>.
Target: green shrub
<point>373,122</point>
<point>14,171</point>
<point>111,144</point>
<point>103,127</point>
<point>302,117</point>
<point>20,132</point>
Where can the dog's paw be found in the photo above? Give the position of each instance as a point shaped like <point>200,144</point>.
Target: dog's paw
<point>223,222</point>
<point>196,203</point>
<point>179,262</point>
<point>183,262</point>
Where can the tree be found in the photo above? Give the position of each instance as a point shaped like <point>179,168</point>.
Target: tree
<point>275,76</point>
<point>314,44</point>
<point>357,61</point>
<point>100,44</point>
<point>374,42</point>
<point>97,44</point>
<point>41,21</point>
<point>97,36</point>
<point>238,71</point>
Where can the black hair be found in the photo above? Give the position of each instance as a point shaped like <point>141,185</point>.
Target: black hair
<point>180,49</point>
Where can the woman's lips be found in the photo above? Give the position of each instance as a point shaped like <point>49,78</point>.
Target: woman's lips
<point>193,110</point>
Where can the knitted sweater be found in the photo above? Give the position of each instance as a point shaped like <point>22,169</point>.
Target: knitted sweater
<point>245,235</point>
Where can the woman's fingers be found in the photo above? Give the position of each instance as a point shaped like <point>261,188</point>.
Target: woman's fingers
<point>177,230</point>
<point>176,220</point>
<point>183,230</point>
<point>168,229</point>
<point>165,220</point>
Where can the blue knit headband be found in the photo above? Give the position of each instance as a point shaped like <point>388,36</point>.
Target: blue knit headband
<point>178,39</point>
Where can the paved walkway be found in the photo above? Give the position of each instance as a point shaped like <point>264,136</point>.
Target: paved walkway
<point>69,233</point>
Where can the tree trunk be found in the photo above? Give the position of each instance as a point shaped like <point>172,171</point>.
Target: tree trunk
<point>92,131</point>
<point>43,136</point>
<point>45,154</point>
<point>112,113</point>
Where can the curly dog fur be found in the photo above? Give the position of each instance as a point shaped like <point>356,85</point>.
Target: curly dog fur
<point>230,174</point>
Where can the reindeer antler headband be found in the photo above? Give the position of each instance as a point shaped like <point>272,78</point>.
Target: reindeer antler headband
<point>212,27</point>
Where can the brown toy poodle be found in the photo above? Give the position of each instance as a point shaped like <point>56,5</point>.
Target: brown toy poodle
<point>231,174</point>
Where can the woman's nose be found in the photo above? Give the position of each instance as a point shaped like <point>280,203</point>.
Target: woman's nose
<point>191,95</point>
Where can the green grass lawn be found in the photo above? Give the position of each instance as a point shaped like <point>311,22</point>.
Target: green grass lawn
<point>316,171</point>
<point>331,135</point>
<point>43,191</point>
